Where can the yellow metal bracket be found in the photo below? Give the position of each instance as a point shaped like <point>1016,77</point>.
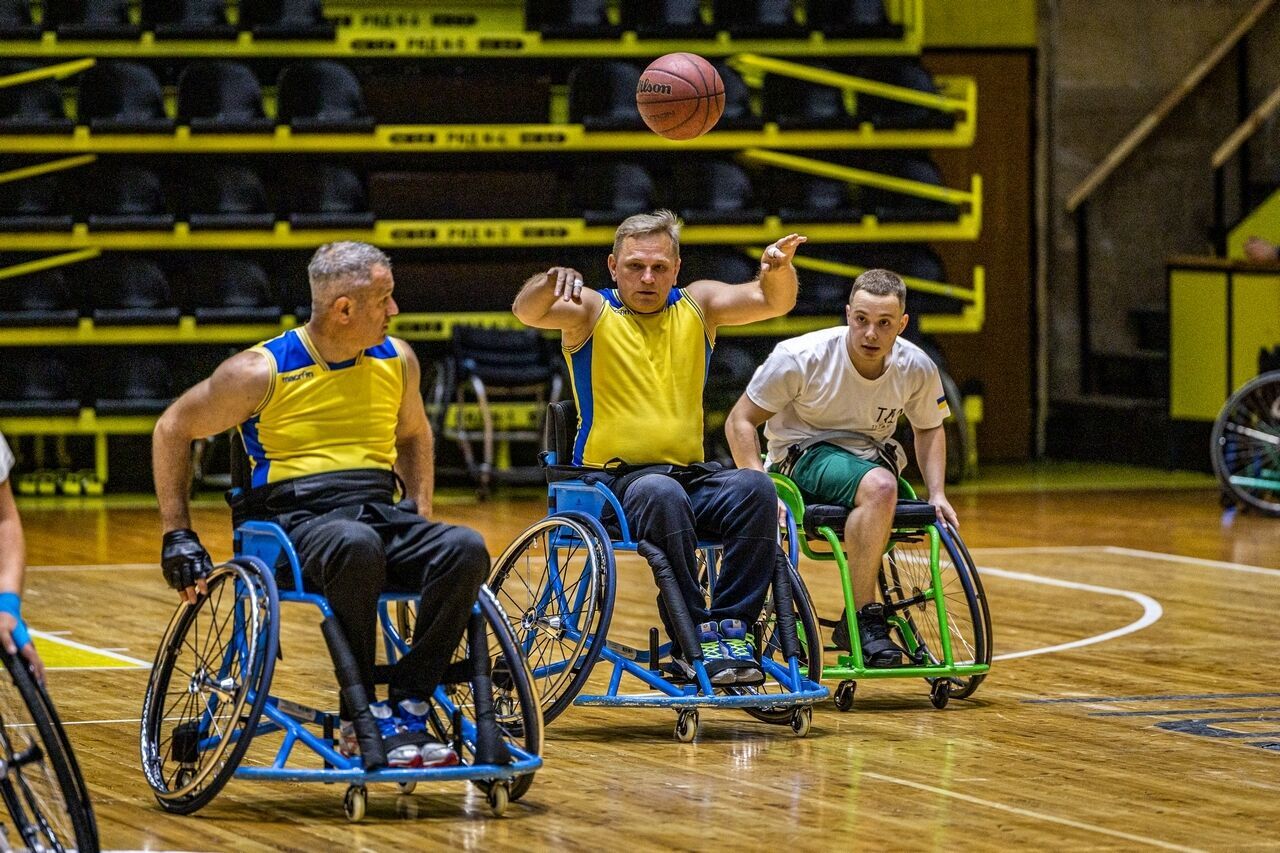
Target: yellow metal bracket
<point>41,264</point>
<point>47,72</point>
<point>46,168</point>
<point>864,177</point>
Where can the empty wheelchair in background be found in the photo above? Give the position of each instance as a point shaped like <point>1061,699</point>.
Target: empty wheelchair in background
<point>557,581</point>
<point>1245,445</point>
<point>208,696</point>
<point>487,370</point>
<point>932,595</point>
<point>40,781</point>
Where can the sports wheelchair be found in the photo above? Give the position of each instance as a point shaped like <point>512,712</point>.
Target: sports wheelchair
<point>208,698</point>
<point>1245,444</point>
<point>557,580</point>
<point>932,595</point>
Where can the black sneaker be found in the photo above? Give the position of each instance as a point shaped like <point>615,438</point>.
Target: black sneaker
<point>877,649</point>
<point>742,649</point>
<point>840,635</point>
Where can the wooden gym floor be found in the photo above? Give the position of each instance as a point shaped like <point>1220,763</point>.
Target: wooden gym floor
<point>1132,704</point>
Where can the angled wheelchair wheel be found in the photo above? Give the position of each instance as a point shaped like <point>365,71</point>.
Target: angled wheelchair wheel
<point>906,583</point>
<point>208,685</point>
<point>1245,444</point>
<point>771,647</point>
<point>556,583</point>
<point>514,697</point>
<point>41,785</point>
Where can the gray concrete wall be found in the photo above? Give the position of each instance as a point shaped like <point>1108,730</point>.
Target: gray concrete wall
<point>1109,63</point>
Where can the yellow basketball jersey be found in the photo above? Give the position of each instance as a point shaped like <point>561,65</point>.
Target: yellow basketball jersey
<point>319,417</point>
<point>638,381</point>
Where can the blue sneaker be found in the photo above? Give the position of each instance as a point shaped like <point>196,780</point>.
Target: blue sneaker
<point>401,751</point>
<point>740,647</point>
<point>717,662</point>
<point>413,717</point>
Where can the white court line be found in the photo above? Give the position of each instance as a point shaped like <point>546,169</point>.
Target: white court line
<point>1191,561</point>
<point>86,648</point>
<point>1151,611</point>
<point>97,567</point>
<point>1075,824</point>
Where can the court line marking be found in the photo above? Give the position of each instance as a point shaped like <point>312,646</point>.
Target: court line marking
<point>63,641</point>
<point>1063,821</point>
<point>1192,561</point>
<point>96,567</point>
<point>1151,611</point>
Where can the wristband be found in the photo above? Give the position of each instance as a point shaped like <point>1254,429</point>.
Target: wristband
<point>11,603</point>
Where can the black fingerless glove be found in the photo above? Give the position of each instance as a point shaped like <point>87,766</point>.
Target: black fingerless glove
<point>184,559</point>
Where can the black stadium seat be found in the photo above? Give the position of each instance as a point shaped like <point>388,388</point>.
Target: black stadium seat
<point>716,192</point>
<point>35,204</point>
<point>90,19</point>
<point>328,197</point>
<point>605,193</point>
<point>121,97</point>
<point>570,19</point>
<point>665,19</point>
<point>16,23</point>
<point>602,96</point>
<point>857,19</point>
<point>128,198</point>
<point>228,197</point>
<point>286,19</point>
<point>221,97</point>
<point>130,290</point>
<point>133,382</point>
<point>232,289</point>
<point>768,19</point>
<point>890,114</point>
<point>37,383</point>
<point>42,298</point>
<point>187,19</point>
<point>321,96</point>
<point>34,107</point>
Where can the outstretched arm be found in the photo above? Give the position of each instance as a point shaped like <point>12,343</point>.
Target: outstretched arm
<point>415,443</point>
<point>771,295</point>
<point>557,299</point>
<point>741,429</point>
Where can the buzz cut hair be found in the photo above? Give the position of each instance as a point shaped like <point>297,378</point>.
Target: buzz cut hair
<point>880,282</point>
<point>345,262</point>
<point>644,224</point>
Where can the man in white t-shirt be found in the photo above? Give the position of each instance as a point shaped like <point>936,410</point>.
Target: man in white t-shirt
<point>830,401</point>
<point>13,567</point>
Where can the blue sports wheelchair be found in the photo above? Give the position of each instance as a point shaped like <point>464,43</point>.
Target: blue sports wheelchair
<point>208,694</point>
<point>557,582</point>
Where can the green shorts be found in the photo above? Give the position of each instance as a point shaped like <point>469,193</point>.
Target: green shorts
<point>827,474</point>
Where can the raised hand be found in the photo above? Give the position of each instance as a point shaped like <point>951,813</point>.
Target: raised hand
<point>780,253</point>
<point>567,282</point>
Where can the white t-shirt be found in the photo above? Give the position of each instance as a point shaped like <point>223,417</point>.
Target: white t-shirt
<point>818,395</point>
<point>6,459</point>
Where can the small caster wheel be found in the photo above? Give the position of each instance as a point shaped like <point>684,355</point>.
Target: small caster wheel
<point>498,796</point>
<point>844,695</point>
<point>801,719</point>
<point>355,801</point>
<point>184,778</point>
<point>940,693</point>
<point>687,726</point>
<point>407,787</point>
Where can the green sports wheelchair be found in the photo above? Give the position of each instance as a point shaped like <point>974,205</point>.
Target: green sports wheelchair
<point>932,595</point>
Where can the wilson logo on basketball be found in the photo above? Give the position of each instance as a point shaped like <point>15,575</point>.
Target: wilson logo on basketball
<point>646,88</point>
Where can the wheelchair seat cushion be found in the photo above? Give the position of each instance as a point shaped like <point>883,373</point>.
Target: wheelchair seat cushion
<point>907,514</point>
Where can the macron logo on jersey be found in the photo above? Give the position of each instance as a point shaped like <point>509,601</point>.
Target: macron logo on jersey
<point>306,374</point>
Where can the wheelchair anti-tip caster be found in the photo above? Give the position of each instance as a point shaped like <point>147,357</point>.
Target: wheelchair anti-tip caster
<point>801,720</point>
<point>355,802</point>
<point>844,695</point>
<point>940,693</point>
<point>498,795</point>
<point>687,726</point>
<point>407,787</point>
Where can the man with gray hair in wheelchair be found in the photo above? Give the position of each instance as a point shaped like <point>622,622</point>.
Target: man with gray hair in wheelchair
<point>637,355</point>
<point>830,401</point>
<point>331,416</point>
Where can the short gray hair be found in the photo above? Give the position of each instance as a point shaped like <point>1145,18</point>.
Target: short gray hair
<point>346,262</point>
<point>643,224</point>
<point>881,283</point>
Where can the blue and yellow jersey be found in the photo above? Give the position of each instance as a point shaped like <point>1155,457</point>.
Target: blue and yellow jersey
<point>638,381</point>
<point>319,417</point>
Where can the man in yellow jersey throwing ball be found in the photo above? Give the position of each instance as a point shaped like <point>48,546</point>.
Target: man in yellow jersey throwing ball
<point>638,355</point>
<point>330,413</point>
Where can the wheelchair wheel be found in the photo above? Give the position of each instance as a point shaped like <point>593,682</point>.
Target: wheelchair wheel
<point>41,783</point>
<point>556,582</point>
<point>517,711</point>
<point>1245,445</point>
<point>771,646</point>
<point>208,685</point>
<point>905,580</point>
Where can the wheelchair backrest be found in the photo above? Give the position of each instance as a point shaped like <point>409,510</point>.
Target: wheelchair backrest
<point>240,473</point>
<point>560,430</point>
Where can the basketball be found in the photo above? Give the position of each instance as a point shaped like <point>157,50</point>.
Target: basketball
<point>680,96</point>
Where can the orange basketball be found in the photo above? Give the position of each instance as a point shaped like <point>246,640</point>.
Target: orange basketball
<point>680,96</point>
